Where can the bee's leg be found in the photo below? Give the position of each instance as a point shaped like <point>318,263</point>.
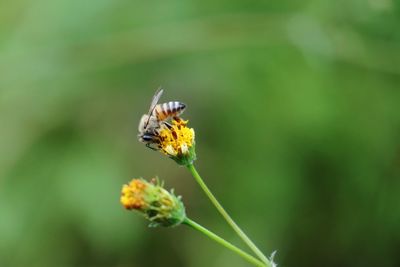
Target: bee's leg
<point>152,148</point>
<point>149,146</point>
<point>168,125</point>
<point>176,118</point>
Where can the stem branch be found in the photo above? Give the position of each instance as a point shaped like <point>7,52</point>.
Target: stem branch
<point>226,216</point>
<point>223,242</point>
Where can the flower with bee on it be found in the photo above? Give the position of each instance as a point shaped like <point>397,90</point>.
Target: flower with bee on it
<point>151,123</point>
<point>173,138</point>
<point>160,207</point>
<point>178,142</point>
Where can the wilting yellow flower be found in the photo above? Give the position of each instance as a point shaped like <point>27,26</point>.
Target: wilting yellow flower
<point>153,202</point>
<point>132,195</point>
<point>178,142</point>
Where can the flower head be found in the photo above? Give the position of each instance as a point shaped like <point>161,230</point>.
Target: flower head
<point>155,203</point>
<point>178,142</point>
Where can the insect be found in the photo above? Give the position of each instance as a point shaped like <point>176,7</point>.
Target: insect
<point>155,119</point>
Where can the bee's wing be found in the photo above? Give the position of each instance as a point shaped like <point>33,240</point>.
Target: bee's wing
<point>154,102</point>
<point>155,99</point>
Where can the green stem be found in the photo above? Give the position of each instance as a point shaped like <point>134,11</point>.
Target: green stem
<point>223,242</point>
<point>226,216</point>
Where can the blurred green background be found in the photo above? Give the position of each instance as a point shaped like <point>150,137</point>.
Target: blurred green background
<point>296,107</point>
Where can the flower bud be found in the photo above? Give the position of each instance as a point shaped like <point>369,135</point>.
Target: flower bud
<point>155,203</point>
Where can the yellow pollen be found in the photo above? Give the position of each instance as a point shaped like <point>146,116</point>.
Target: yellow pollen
<point>177,139</point>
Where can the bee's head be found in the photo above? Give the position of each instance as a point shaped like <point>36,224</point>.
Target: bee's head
<point>146,138</point>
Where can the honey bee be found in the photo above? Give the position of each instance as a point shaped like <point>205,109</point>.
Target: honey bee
<point>155,119</point>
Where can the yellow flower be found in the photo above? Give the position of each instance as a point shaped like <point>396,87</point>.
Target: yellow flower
<point>178,142</point>
<point>132,195</point>
<point>153,202</point>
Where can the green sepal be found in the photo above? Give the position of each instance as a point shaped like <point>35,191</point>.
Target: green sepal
<point>186,159</point>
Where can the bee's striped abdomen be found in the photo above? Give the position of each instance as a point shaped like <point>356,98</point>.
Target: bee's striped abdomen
<point>168,109</point>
